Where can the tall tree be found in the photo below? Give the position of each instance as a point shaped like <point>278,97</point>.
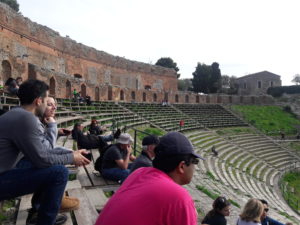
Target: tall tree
<point>296,79</point>
<point>12,4</point>
<point>201,78</point>
<point>169,63</point>
<point>215,78</point>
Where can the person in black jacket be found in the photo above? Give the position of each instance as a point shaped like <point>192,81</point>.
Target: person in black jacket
<point>216,216</point>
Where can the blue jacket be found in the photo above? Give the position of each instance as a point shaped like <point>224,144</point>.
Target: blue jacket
<point>270,221</point>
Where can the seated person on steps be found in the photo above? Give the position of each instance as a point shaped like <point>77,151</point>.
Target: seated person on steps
<point>147,155</point>
<point>45,175</point>
<point>116,159</point>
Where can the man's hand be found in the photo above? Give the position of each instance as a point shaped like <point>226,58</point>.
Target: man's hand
<point>63,132</point>
<point>79,159</point>
<point>49,120</point>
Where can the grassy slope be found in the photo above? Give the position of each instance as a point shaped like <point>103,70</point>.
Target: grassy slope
<point>268,119</point>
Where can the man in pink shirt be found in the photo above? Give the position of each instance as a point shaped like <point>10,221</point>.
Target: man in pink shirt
<point>154,196</point>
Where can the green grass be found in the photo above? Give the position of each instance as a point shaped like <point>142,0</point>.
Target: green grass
<point>210,175</point>
<point>291,191</point>
<point>149,130</point>
<point>295,146</point>
<point>207,192</point>
<point>235,130</point>
<point>268,119</point>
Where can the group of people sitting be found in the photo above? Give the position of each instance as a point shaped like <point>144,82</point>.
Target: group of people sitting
<point>255,212</point>
<point>11,86</point>
<point>30,162</point>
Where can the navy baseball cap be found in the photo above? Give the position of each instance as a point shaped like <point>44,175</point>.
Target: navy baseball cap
<point>175,143</point>
<point>150,140</point>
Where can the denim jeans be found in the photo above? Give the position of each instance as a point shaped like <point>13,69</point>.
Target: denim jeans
<point>49,184</point>
<point>115,174</point>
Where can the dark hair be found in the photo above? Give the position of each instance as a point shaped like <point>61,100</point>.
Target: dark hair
<point>168,163</point>
<point>263,201</point>
<point>219,204</point>
<point>30,90</point>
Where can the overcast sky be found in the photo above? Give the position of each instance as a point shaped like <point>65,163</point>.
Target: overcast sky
<point>243,36</point>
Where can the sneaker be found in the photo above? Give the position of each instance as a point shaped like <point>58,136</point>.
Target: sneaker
<point>32,218</point>
<point>68,204</point>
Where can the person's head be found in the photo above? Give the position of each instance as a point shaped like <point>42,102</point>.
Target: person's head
<point>51,107</point>
<point>175,156</point>
<point>19,80</point>
<point>222,206</point>
<point>35,93</point>
<point>149,143</point>
<point>78,127</point>
<point>266,209</point>
<point>252,211</point>
<point>124,141</point>
<point>94,123</point>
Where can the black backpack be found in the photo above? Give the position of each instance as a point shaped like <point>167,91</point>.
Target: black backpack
<point>90,141</point>
<point>99,160</point>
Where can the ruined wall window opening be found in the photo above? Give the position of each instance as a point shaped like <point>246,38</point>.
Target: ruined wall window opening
<point>77,75</point>
<point>166,97</point>
<point>197,99</point>
<point>245,85</point>
<point>109,93</point>
<point>68,89</point>
<point>259,84</point>
<point>122,95</point>
<point>52,87</point>
<point>271,84</point>
<point>6,70</point>
<point>31,72</point>
<point>154,97</point>
<point>144,97</point>
<point>176,98</point>
<point>137,84</point>
<point>186,99</point>
<point>97,94</point>
<point>148,87</point>
<point>133,95</point>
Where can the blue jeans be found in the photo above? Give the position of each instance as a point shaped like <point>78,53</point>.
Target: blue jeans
<point>115,174</point>
<point>48,184</point>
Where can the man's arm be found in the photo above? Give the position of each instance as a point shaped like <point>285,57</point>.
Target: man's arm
<point>123,163</point>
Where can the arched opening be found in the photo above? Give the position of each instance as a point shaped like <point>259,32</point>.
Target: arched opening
<point>31,72</point>
<point>122,95</point>
<point>133,96</point>
<point>176,98</point>
<point>83,91</point>
<point>187,99</point>
<point>77,75</point>
<point>6,70</point>
<point>97,94</point>
<point>241,99</point>
<point>230,99</point>
<point>197,99</point>
<point>252,99</point>
<point>52,87</point>
<point>154,97</point>
<point>144,97</point>
<point>219,99</point>
<point>207,99</point>
<point>68,89</point>
<point>166,97</point>
<point>147,87</point>
<point>109,93</point>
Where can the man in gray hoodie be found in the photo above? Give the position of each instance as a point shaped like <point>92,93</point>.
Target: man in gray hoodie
<point>21,135</point>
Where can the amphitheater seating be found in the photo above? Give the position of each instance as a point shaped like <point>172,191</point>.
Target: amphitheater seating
<point>210,115</point>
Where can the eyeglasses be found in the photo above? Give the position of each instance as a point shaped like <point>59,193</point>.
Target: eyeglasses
<point>266,210</point>
<point>194,161</point>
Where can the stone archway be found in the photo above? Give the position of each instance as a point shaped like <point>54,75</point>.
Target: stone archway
<point>31,72</point>
<point>197,99</point>
<point>83,90</point>
<point>52,87</point>
<point>187,99</point>
<point>144,97</point>
<point>6,70</point>
<point>176,98</point>
<point>97,94</point>
<point>133,96</point>
<point>155,97</point>
<point>110,93</point>
<point>68,89</point>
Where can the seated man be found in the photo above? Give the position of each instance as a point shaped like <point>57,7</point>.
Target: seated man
<point>45,175</point>
<point>147,155</point>
<point>154,195</point>
<point>116,159</point>
<point>265,220</point>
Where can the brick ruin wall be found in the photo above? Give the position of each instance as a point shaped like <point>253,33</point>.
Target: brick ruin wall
<point>30,50</point>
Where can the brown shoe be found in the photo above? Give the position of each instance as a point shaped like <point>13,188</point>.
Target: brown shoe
<point>68,204</point>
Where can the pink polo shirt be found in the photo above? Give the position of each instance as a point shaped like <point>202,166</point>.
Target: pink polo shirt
<point>149,197</point>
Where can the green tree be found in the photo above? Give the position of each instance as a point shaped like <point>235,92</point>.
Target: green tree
<point>12,4</point>
<point>201,78</point>
<point>296,79</point>
<point>229,85</point>
<point>207,79</point>
<point>185,85</point>
<point>169,63</point>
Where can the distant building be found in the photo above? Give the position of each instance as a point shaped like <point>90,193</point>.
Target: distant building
<point>257,83</point>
